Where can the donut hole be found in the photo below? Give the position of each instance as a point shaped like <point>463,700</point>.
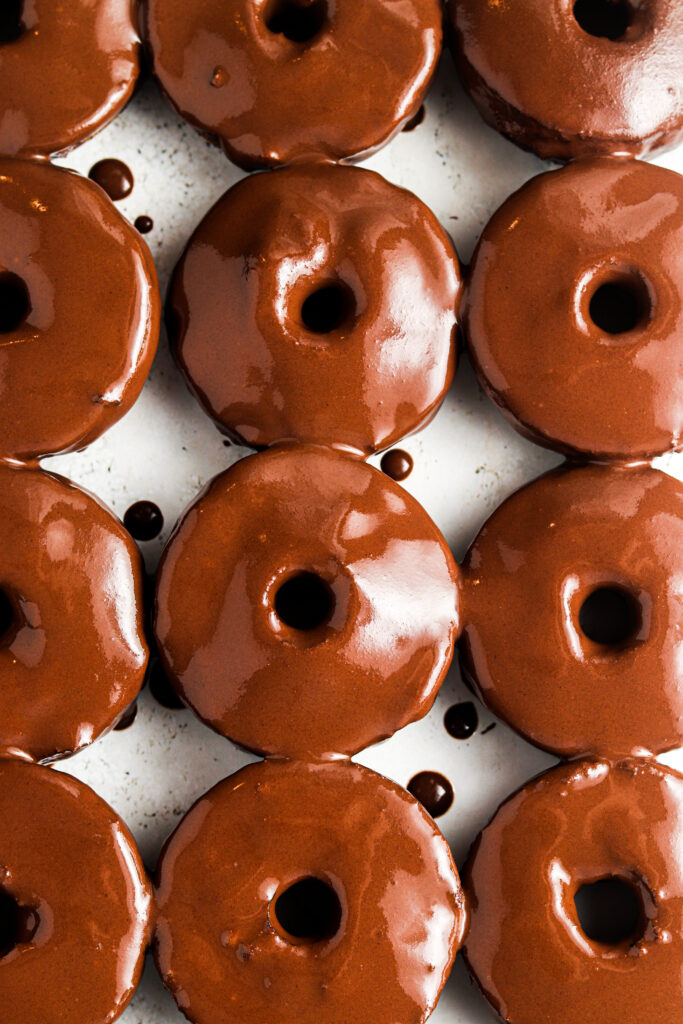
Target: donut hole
<point>297,21</point>
<point>11,23</point>
<point>15,304</point>
<point>18,924</point>
<point>606,19</point>
<point>610,911</point>
<point>304,602</point>
<point>328,308</point>
<point>620,304</point>
<point>610,616</point>
<point>7,617</point>
<point>307,911</point>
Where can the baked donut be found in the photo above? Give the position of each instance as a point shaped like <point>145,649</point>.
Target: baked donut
<point>65,71</point>
<point>574,78</point>
<point>575,895</point>
<point>79,311</point>
<point>317,303</point>
<point>584,354</point>
<point>307,892</point>
<point>74,898</point>
<point>274,81</point>
<point>72,648</point>
<point>573,614</point>
<point>329,604</point>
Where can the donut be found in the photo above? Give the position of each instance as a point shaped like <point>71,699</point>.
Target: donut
<point>573,616</point>
<point>307,892</point>
<point>329,604</point>
<point>65,71</point>
<point>277,81</point>
<point>79,311</point>
<point>319,304</point>
<point>72,648</point>
<point>75,903</point>
<point>583,354</point>
<point>575,895</point>
<point>574,78</point>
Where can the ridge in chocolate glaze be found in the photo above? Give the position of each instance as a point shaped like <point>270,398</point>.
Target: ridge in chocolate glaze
<point>545,871</point>
<point>65,71</point>
<point>293,289</point>
<point>461,720</point>
<point>397,464</point>
<point>302,652</point>
<point>598,77</point>
<point>433,791</point>
<point>365,877</point>
<point>115,177</point>
<point>583,355</point>
<point>281,81</point>
<point>77,333</point>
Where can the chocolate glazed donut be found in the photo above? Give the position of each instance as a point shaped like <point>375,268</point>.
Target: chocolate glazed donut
<point>580,846</point>
<point>307,893</point>
<point>318,304</point>
<point>277,81</point>
<point>306,605</point>
<point>574,78</point>
<point>65,71</point>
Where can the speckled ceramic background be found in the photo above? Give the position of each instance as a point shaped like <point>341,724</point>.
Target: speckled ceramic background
<point>466,462</point>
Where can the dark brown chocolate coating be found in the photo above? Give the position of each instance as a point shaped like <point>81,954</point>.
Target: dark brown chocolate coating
<point>329,604</point>
<point>72,647</point>
<point>268,99</point>
<point>570,258</point>
<point>70,69</point>
<point>433,791</point>
<point>552,87</point>
<point>71,865</point>
<point>397,464</point>
<point>548,548</point>
<point>220,946</point>
<point>573,826</point>
<point>79,311</point>
<point>282,257</point>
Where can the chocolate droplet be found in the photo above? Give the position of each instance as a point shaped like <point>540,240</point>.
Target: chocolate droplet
<point>115,177</point>
<point>416,120</point>
<point>461,720</point>
<point>127,718</point>
<point>397,464</point>
<point>219,78</point>
<point>433,791</point>
<point>144,224</point>
<point>144,520</point>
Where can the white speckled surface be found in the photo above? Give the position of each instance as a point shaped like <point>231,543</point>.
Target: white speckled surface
<point>466,462</point>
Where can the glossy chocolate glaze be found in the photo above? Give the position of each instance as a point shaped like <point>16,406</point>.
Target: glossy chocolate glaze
<point>525,580</point>
<point>219,945</point>
<point>380,574</point>
<point>560,378</point>
<point>238,308</point>
<point>73,653</point>
<point>268,99</point>
<point>69,71</point>
<point>433,791</point>
<point>115,177</point>
<point>71,864</point>
<point>551,87</point>
<point>397,464</point>
<point>76,361</point>
<point>572,826</point>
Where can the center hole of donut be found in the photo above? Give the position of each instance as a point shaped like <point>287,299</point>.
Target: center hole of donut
<point>610,616</point>
<point>11,24</point>
<point>297,21</point>
<point>18,924</point>
<point>328,308</point>
<point>6,616</point>
<point>608,19</point>
<point>620,304</point>
<point>610,911</point>
<point>304,601</point>
<point>15,304</point>
<point>309,910</point>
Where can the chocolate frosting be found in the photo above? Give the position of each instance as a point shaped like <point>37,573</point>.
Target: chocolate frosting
<point>551,86</point>
<point>70,864</point>
<point>352,548</point>
<point>573,826</point>
<point>525,580</point>
<point>72,648</point>
<point>83,285</point>
<point>388,285</point>
<point>601,229</point>
<point>220,946</point>
<point>359,75</point>
<point>71,68</point>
